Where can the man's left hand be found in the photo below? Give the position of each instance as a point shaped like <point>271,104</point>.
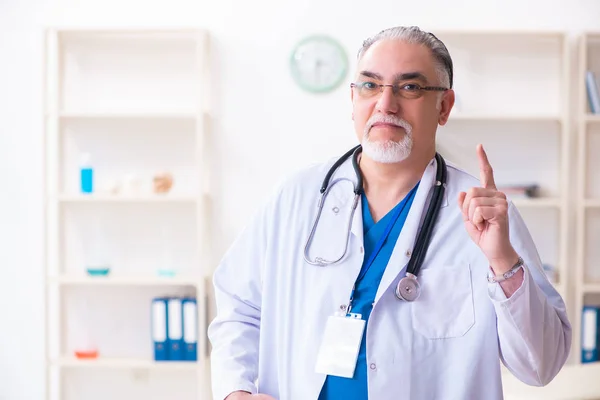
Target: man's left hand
<point>485,214</point>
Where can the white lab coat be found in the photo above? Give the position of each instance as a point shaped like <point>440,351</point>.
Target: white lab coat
<point>273,306</point>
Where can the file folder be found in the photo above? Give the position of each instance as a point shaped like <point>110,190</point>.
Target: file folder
<point>160,332</point>
<point>589,334</point>
<point>592,92</point>
<point>175,329</point>
<point>190,329</point>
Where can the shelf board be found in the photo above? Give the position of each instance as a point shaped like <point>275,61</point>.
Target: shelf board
<point>537,202</point>
<point>591,288</point>
<point>513,34</point>
<point>108,198</point>
<point>595,118</point>
<point>506,118</point>
<point>127,280</point>
<point>591,203</point>
<point>125,363</point>
<point>574,381</point>
<point>129,115</point>
<point>150,33</point>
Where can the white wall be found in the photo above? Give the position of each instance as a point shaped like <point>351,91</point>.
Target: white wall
<point>265,126</point>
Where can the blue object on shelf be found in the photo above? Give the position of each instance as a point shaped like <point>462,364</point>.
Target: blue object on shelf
<point>190,328</point>
<point>160,328</point>
<point>86,174</point>
<point>590,334</point>
<point>175,329</point>
<point>98,271</point>
<point>87,180</point>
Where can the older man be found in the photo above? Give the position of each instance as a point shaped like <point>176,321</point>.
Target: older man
<point>418,294</point>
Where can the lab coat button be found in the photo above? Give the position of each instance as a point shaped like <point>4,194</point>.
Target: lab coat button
<point>362,249</point>
<point>343,307</point>
<point>408,253</point>
<point>373,366</point>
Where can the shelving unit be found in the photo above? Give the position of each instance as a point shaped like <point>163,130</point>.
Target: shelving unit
<point>587,265</point>
<point>138,102</point>
<point>513,97</point>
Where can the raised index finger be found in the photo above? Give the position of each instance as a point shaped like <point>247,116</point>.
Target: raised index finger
<point>486,174</point>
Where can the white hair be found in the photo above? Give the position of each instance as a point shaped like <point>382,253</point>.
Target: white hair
<point>413,34</point>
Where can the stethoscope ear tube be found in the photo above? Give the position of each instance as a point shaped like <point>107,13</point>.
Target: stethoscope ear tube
<point>437,198</point>
<point>359,179</point>
<point>335,166</point>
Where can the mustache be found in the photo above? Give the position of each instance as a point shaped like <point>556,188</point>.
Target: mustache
<point>389,119</point>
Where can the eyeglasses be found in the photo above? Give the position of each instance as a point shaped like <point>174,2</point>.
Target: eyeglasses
<point>404,90</point>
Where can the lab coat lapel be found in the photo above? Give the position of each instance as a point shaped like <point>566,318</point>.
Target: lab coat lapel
<point>357,223</point>
<point>406,241</point>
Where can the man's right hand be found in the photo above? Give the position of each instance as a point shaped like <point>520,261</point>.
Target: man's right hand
<point>248,396</point>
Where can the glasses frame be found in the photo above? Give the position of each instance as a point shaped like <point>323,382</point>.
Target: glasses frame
<point>397,92</point>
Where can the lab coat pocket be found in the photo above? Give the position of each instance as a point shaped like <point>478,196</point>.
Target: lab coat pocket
<point>445,307</point>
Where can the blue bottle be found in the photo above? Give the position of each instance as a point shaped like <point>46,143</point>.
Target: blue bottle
<point>86,173</point>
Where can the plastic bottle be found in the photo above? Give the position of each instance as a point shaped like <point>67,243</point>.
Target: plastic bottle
<point>86,173</point>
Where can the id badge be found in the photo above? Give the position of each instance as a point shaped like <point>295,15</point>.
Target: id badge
<point>340,345</point>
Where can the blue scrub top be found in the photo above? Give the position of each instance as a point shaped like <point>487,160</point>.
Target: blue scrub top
<point>364,294</point>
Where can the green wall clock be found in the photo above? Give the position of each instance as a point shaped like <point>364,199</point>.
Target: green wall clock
<point>318,64</point>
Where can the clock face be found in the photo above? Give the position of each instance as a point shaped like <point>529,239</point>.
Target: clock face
<point>319,64</point>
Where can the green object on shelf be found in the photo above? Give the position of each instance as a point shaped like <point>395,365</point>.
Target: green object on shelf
<point>98,271</point>
<point>166,272</point>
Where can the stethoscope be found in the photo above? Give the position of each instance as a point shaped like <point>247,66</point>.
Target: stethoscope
<point>408,288</point>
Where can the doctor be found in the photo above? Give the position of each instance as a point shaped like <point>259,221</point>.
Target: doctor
<point>327,303</point>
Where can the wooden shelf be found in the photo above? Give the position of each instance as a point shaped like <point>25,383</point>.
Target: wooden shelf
<point>107,198</point>
<point>125,363</point>
<point>68,33</point>
<point>539,202</point>
<point>136,100</point>
<point>574,381</point>
<point>507,118</point>
<point>110,280</point>
<point>591,203</point>
<point>130,115</point>
<point>591,288</point>
<point>592,118</point>
<point>585,172</point>
<point>513,34</point>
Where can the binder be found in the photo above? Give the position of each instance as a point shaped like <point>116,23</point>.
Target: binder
<point>190,329</point>
<point>159,329</point>
<point>592,92</point>
<point>175,329</point>
<point>589,333</point>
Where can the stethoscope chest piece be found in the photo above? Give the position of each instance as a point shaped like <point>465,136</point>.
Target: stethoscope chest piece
<point>408,288</point>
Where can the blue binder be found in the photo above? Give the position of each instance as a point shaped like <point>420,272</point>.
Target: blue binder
<point>159,329</point>
<point>175,329</point>
<point>190,328</point>
<point>590,320</point>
